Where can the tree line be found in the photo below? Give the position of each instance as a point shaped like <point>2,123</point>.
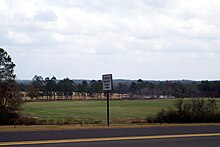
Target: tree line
<point>171,89</point>
<point>52,88</point>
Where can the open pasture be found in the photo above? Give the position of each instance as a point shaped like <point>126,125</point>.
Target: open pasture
<point>96,109</point>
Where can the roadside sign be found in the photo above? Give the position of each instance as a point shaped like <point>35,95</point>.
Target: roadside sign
<point>107,86</point>
<point>107,82</point>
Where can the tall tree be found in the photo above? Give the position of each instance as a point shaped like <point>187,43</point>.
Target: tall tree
<point>66,86</point>
<point>53,86</point>
<point>93,88</point>
<point>50,86</point>
<point>84,88</point>
<point>140,85</point>
<point>99,88</point>
<point>10,101</point>
<point>38,83</point>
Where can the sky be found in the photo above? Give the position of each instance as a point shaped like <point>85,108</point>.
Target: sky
<point>131,39</point>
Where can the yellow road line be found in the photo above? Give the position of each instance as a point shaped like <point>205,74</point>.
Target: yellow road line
<point>106,139</point>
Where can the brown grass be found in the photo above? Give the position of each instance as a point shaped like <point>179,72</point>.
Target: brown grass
<point>21,128</point>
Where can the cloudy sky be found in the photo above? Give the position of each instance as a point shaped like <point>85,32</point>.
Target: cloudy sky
<point>132,39</point>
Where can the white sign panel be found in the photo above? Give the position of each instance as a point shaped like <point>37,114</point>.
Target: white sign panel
<point>107,82</point>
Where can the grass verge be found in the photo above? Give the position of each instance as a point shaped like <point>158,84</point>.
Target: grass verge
<point>24,128</point>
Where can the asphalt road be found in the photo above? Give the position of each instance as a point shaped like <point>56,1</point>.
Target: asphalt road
<point>119,133</point>
<point>175,142</point>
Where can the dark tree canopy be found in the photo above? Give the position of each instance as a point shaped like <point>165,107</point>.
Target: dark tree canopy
<point>6,66</point>
<point>10,102</point>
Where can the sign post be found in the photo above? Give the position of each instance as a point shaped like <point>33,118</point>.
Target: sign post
<point>107,86</point>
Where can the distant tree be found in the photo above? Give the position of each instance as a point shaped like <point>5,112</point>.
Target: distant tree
<point>122,88</point>
<point>93,88</point>
<point>147,88</point>
<point>140,85</point>
<point>178,90</point>
<point>214,88</point>
<point>133,88</point>
<point>191,90</point>
<point>53,86</point>
<point>206,88</point>
<point>32,92</point>
<point>47,88</point>
<point>50,86</point>
<point>84,88</point>
<point>168,88</point>
<point>162,91</point>
<point>99,88</point>
<point>10,101</point>
<point>66,86</point>
<point>151,88</point>
<point>38,83</point>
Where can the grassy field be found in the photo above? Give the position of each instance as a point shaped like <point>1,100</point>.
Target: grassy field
<point>96,109</point>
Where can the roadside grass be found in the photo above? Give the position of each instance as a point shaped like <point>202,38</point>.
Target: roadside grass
<point>85,110</point>
<point>25,128</point>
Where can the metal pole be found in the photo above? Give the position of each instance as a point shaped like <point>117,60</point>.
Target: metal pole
<point>108,108</point>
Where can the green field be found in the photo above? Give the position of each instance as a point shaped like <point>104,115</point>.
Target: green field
<point>96,109</point>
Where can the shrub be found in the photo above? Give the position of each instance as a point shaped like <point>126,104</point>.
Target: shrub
<point>26,120</point>
<point>195,111</point>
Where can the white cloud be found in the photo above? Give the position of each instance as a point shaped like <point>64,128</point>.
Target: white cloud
<point>19,37</point>
<point>133,39</point>
<point>47,15</point>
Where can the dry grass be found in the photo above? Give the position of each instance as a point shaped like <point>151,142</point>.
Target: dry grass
<point>21,128</point>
